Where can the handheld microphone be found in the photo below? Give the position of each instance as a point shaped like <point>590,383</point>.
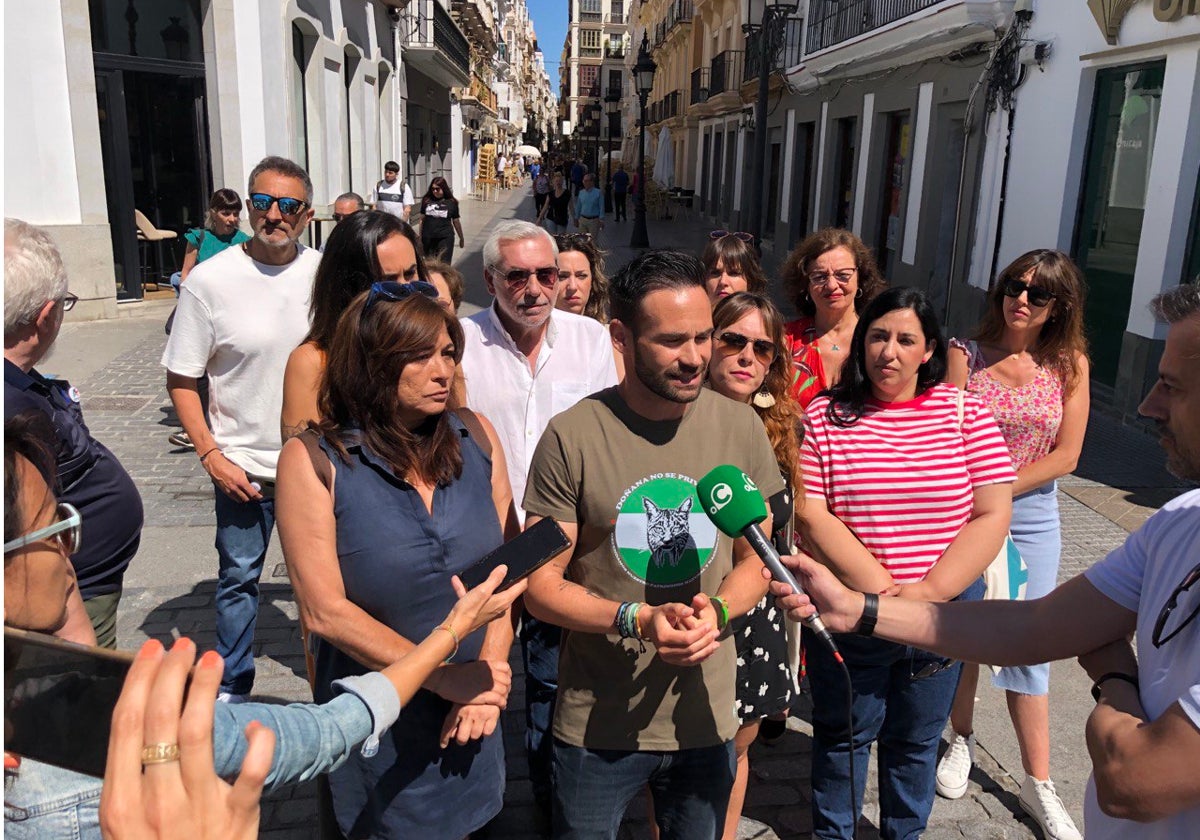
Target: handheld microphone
<point>733,502</point>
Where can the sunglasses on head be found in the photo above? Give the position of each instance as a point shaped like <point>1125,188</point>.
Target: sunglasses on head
<point>764,350</point>
<point>565,239</point>
<point>740,234</point>
<point>393,291</point>
<point>518,278</point>
<point>1038,296</point>
<point>287,206</point>
<point>67,532</point>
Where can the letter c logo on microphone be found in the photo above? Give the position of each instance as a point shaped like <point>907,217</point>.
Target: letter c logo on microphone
<point>721,495</point>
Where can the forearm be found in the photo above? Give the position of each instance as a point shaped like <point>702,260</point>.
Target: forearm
<point>353,631</point>
<point>964,560</point>
<point>1055,465</point>
<point>1116,745</point>
<point>745,586</point>
<point>556,600</point>
<point>458,229</point>
<point>497,639</point>
<point>832,543</point>
<point>185,397</point>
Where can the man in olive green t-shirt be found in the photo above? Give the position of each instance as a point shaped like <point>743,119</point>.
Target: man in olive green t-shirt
<point>646,670</point>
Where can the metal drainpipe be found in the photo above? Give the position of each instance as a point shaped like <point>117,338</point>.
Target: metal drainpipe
<point>398,136</point>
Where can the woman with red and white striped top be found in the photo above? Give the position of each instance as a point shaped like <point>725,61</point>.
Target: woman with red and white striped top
<point>903,500</point>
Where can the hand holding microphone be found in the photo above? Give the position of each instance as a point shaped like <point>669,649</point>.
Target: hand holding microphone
<point>733,502</point>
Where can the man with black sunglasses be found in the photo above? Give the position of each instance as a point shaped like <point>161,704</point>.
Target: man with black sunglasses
<point>1144,734</point>
<point>240,315</point>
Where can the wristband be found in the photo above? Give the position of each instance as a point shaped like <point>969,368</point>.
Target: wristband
<point>1112,675</point>
<point>722,609</point>
<point>870,614</point>
<point>453,636</point>
<point>209,452</point>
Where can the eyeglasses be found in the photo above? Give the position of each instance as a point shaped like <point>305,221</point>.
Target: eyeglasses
<point>337,217</point>
<point>764,350</point>
<point>842,277</point>
<point>1162,634</point>
<point>518,278</point>
<point>393,291</point>
<point>740,234</point>
<point>1038,296</point>
<point>928,667</point>
<point>287,206</point>
<point>67,532</point>
<point>69,300</point>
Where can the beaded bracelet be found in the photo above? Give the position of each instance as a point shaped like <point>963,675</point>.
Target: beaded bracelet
<point>626,620</point>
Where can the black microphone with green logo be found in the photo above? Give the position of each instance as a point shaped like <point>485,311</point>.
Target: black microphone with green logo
<point>733,502</point>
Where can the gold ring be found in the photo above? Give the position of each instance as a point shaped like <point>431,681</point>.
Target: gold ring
<point>160,753</point>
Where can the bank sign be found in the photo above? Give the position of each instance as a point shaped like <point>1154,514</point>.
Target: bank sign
<point>1110,13</point>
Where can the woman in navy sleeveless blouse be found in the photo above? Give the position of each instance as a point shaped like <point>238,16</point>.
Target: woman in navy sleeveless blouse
<point>414,500</point>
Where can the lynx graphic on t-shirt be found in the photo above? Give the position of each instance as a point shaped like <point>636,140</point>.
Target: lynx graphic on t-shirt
<point>662,537</point>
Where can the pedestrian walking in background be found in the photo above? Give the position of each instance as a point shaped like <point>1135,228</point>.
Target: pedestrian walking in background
<point>541,190</point>
<point>903,498</point>
<point>750,364</point>
<point>502,170</point>
<point>558,209</point>
<point>393,195</point>
<point>89,476</point>
<point>578,170</point>
<point>589,207</point>
<point>222,330</point>
<point>830,277</point>
<point>220,231</point>
<point>731,265</point>
<point>620,191</point>
<point>1028,363</point>
<point>439,222</point>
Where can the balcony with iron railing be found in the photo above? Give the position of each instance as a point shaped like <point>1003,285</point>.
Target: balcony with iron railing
<point>435,45</point>
<point>616,51</point>
<point>726,72</point>
<point>831,22</point>
<point>788,49</point>
<point>700,85</point>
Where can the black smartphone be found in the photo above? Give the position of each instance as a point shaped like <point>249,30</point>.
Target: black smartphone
<point>523,554</point>
<point>59,698</point>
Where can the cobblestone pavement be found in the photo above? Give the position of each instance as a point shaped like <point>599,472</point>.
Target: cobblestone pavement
<point>169,589</point>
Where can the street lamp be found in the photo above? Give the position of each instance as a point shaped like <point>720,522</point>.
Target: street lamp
<point>643,72</point>
<point>612,106</point>
<point>774,22</point>
<point>596,111</point>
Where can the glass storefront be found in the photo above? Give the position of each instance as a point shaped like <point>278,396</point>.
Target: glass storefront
<point>1125,119</point>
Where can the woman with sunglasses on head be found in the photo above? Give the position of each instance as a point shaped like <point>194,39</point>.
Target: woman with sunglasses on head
<point>1028,363</point>
<point>583,288</point>
<point>398,491</point>
<point>559,209</point>
<point>364,248</point>
<point>829,277</point>
<point>732,265</point>
<point>204,786</point>
<point>904,497</point>
<point>750,365</point>
<point>439,221</point>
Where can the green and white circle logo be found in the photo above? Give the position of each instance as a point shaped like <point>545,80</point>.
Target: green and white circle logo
<point>662,536</point>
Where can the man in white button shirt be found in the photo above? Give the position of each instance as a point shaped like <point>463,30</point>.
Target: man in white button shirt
<point>524,362</point>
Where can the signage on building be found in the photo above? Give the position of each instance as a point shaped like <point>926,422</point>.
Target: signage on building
<point>1110,13</point>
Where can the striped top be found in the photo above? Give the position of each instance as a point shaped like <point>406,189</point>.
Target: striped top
<point>902,477</point>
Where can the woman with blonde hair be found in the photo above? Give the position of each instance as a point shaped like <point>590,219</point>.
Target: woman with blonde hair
<point>1028,363</point>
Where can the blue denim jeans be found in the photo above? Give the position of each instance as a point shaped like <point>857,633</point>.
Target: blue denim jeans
<point>903,715</point>
<point>689,788</point>
<point>539,654</point>
<point>43,801</point>
<point>243,534</point>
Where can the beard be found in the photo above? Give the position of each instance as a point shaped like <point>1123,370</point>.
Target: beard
<point>660,383</point>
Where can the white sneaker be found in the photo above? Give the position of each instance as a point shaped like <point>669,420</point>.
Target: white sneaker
<point>232,699</point>
<point>954,769</point>
<point>1041,802</point>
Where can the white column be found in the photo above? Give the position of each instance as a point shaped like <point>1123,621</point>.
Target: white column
<point>916,181</point>
<point>864,152</point>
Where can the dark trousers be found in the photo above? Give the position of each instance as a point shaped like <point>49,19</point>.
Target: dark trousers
<point>619,206</point>
<point>441,247</point>
<point>538,200</point>
<point>539,654</point>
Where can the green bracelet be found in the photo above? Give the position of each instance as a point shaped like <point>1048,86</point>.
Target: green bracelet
<point>722,609</point>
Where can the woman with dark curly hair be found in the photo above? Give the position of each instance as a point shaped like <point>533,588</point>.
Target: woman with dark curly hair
<point>439,221</point>
<point>749,364</point>
<point>829,277</point>
<point>583,286</point>
<point>731,265</point>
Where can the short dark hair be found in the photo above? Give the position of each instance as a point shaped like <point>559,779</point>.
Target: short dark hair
<point>283,166</point>
<point>736,255</point>
<point>351,196</point>
<point>648,273</point>
<point>1178,304</point>
<point>391,166</point>
<point>847,399</point>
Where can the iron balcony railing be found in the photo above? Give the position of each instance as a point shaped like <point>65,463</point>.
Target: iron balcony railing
<point>612,50</point>
<point>787,52</point>
<point>699,85</point>
<point>448,39</point>
<point>726,72</point>
<point>834,21</point>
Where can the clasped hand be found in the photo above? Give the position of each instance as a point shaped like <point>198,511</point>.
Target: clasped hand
<point>682,634</point>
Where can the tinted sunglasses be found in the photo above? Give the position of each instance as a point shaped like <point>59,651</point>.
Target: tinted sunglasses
<point>518,278</point>
<point>1162,632</point>
<point>1038,296</point>
<point>67,532</point>
<point>927,667</point>
<point>764,350</point>
<point>393,291</point>
<point>842,278</point>
<point>287,206</point>
<point>740,234</point>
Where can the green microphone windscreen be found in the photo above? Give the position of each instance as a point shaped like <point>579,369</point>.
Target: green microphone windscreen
<point>731,499</point>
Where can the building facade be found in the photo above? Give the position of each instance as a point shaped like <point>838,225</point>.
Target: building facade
<point>593,67</point>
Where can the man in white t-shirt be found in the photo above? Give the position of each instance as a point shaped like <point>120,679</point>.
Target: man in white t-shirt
<point>392,195</point>
<point>240,315</point>
<point>1144,734</point>
<point>524,361</point>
